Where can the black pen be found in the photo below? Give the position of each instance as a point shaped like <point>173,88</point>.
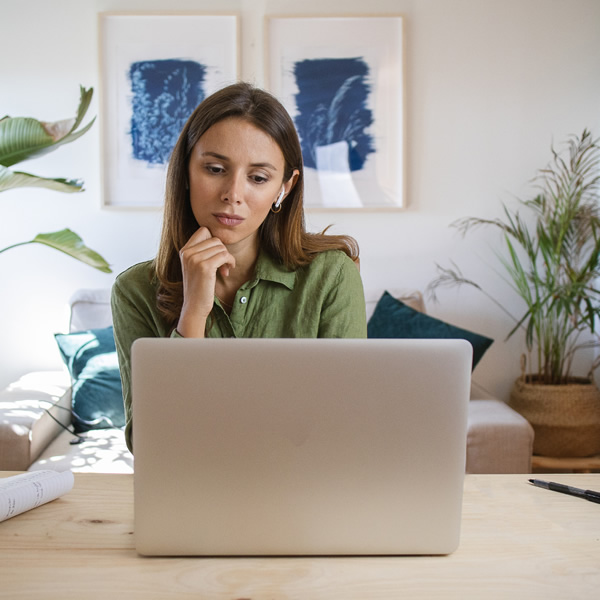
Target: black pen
<point>567,489</point>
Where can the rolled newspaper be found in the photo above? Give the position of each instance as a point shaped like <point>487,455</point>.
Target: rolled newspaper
<point>23,492</point>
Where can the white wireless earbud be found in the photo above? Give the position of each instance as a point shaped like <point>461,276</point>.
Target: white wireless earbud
<point>279,198</point>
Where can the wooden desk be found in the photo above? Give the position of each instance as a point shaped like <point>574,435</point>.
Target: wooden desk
<point>517,542</point>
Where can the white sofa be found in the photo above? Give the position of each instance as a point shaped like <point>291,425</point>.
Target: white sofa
<point>499,440</point>
<point>35,410</point>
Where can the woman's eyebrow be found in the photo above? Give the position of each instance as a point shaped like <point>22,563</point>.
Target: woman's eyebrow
<point>265,164</point>
<point>215,155</point>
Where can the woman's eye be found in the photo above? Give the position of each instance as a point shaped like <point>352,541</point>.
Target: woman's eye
<point>259,178</point>
<point>215,169</point>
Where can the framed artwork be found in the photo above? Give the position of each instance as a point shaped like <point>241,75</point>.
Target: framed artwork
<point>342,81</point>
<point>155,70</point>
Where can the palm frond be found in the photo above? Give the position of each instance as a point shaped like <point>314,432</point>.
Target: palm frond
<point>552,264</point>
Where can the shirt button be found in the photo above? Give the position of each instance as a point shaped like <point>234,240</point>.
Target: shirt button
<point>243,299</point>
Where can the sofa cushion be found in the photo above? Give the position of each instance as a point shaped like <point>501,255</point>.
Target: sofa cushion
<point>410,297</point>
<point>91,359</point>
<point>394,319</point>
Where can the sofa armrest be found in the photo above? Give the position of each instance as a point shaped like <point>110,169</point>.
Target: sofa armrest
<point>90,309</point>
<point>499,440</point>
<point>26,410</point>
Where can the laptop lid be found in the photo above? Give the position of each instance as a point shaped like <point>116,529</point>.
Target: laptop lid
<point>299,446</point>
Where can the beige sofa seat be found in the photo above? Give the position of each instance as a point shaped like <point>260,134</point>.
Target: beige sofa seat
<point>499,440</point>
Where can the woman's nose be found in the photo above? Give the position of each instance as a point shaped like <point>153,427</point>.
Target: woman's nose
<point>233,191</point>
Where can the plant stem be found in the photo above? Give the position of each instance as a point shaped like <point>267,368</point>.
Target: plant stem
<point>14,246</point>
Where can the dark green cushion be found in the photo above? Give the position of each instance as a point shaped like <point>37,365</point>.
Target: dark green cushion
<point>91,358</point>
<point>394,319</point>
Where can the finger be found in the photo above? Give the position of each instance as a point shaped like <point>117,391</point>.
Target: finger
<point>210,254</point>
<point>201,234</point>
<point>229,264</point>
<point>206,248</point>
<point>203,247</point>
<point>201,250</point>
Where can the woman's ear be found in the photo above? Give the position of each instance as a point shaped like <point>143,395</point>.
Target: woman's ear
<point>288,186</point>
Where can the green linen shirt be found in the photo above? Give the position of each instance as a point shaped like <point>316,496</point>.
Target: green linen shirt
<point>322,300</point>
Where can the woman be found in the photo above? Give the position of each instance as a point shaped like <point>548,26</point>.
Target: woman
<point>234,258</point>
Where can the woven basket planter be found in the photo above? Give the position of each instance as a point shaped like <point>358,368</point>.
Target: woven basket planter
<point>565,418</point>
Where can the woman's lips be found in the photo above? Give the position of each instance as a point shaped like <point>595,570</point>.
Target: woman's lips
<point>228,220</point>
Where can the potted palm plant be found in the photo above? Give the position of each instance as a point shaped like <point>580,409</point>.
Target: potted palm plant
<point>23,138</point>
<point>550,255</point>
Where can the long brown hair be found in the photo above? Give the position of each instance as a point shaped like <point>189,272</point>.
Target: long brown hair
<point>283,235</point>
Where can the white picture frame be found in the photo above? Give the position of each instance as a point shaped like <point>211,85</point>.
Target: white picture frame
<point>341,78</point>
<point>155,69</point>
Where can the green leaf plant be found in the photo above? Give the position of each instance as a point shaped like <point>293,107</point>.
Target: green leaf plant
<point>23,138</point>
<point>551,259</point>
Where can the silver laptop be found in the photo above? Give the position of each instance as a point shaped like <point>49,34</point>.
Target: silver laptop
<point>299,447</point>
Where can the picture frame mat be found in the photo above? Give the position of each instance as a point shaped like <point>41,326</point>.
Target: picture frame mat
<point>336,37</point>
<point>128,37</point>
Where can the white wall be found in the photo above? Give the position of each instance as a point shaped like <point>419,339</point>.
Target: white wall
<point>490,83</point>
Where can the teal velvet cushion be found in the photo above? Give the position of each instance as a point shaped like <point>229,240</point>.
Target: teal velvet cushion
<point>394,319</point>
<point>91,358</point>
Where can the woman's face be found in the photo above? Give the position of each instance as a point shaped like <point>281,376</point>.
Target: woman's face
<point>235,174</point>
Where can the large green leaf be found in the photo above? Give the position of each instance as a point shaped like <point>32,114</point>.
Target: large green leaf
<point>22,138</point>
<point>14,179</point>
<point>70,243</point>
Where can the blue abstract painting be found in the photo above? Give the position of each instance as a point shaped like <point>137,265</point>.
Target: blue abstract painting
<point>164,94</point>
<point>332,107</point>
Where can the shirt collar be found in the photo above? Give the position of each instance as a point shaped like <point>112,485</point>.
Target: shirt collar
<point>270,269</point>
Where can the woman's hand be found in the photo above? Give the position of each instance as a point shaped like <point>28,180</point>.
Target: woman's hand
<point>201,258</point>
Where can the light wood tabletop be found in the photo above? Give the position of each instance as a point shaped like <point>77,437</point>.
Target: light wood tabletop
<point>517,541</point>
